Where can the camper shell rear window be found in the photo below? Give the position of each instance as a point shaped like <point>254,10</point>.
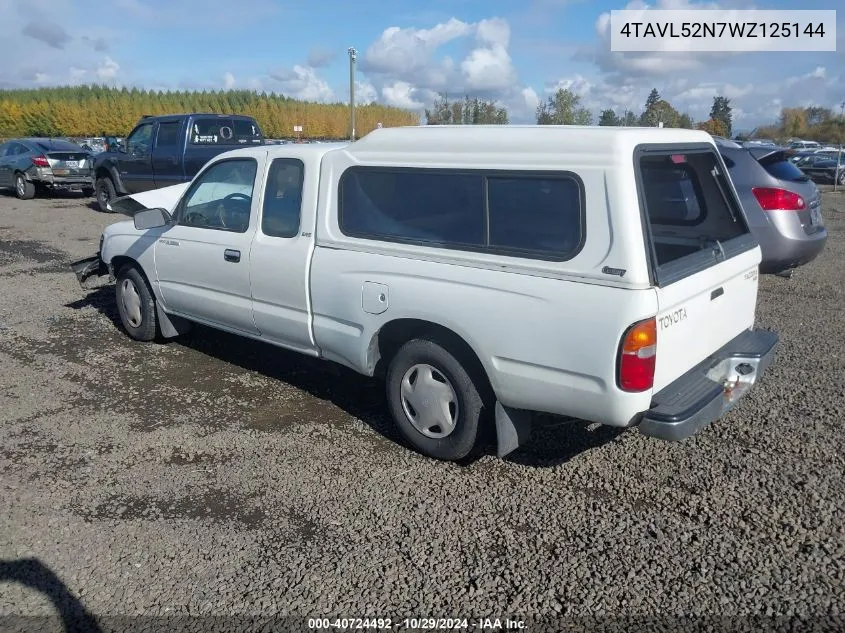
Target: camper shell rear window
<point>692,217</point>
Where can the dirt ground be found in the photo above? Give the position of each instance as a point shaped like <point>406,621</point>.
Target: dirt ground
<point>214,476</point>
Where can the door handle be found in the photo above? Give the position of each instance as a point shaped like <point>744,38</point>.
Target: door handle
<point>231,255</point>
<point>718,292</point>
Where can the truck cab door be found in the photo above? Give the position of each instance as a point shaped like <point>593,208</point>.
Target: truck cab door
<point>203,259</point>
<point>134,163</point>
<point>281,253</point>
<point>168,154</point>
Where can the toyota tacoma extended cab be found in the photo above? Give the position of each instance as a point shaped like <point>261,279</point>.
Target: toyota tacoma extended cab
<point>166,150</point>
<point>604,274</point>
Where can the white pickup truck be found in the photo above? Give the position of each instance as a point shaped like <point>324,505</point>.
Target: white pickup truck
<point>605,274</point>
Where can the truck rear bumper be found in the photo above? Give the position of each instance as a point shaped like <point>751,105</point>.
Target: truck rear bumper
<point>711,389</point>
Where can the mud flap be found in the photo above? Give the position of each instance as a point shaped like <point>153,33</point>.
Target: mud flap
<point>89,267</point>
<point>513,429</point>
<point>171,326</point>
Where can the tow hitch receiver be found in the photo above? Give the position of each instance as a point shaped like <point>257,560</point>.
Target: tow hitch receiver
<point>89,267</point>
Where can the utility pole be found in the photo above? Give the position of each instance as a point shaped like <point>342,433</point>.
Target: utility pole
<point>839,153</point>
<point>353,57</point>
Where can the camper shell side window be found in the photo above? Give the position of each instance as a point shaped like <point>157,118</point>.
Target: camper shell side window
<point>533,215</point>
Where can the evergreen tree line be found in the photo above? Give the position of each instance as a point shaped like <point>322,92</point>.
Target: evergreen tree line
<point>79,111</point>
<point>565,107</point>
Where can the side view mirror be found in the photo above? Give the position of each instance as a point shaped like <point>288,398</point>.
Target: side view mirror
<point>151,219</point>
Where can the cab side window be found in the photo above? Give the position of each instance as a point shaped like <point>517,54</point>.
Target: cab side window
<point>280,216</point>
<point>221,198</point>
<point>140,140</point>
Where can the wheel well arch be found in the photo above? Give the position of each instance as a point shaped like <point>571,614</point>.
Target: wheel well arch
<point>393,334</point>
<point>118,262</point>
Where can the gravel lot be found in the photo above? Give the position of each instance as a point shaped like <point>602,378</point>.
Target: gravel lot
<point>217,476</point>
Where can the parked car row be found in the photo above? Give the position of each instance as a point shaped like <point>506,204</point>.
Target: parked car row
<point>825,167</point>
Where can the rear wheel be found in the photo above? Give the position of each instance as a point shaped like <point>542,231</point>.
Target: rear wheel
<point>434,400</point>
<point>24,189</point>
<point>105,193</point>
<point>136,304</point>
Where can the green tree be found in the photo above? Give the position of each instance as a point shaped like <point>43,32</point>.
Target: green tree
<point>685,121</point>
<point>609,118</point>
<point>660,112</point>
<point>818,115</point>
<point>716,127</point>
<point>563,108</point>
<point>653,98</point>
<point>629,119</point>
<point>469,111</point>
<point>793,122</point>
<point>97,109</point>
<point>721,111</point>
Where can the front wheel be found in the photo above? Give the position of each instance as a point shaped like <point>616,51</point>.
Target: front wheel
<point>434,400</point>
<point>136,304</point>
<point>842,177</point>
<point>105,193</point>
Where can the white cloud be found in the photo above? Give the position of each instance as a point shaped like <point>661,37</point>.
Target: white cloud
<point>400,94</point>
<point>489,67</point>
<point>406,50</point>
<point>77,74</point>
<point>108,69</point>
<point>302,82</point>
<point>365,92</point>
<point>228,81</point>
<point>650,64</point>
<point>410,66</point>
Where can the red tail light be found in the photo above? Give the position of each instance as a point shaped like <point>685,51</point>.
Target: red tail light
<point>638,355</point>
<point>771,199</point>
<point>40,161</point>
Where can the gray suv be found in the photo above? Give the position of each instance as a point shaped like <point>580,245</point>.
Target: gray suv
<point>782,205</point>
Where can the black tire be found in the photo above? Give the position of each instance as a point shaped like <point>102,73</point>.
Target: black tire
<point>104,188</point>
<point>136,304</point>
<point>24,189</point>
<point>842,177</point>
<point>87,192</point>
<point>467,416</point>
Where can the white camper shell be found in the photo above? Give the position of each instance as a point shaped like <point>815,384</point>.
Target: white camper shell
<point>487,272</point>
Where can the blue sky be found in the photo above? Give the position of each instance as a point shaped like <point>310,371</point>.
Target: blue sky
<point>514,52</point>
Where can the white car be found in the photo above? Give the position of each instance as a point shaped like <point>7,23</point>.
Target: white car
<point>600,273</point>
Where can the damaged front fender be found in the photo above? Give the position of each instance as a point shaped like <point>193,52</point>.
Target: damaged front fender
<point>89,267</point>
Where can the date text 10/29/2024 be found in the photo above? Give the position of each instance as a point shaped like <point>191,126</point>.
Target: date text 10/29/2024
<point>416,624</point>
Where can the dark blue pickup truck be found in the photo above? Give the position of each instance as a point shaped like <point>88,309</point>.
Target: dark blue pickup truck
<point>168,150</point>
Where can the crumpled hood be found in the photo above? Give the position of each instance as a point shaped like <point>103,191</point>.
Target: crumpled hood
<point>164,198</point>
